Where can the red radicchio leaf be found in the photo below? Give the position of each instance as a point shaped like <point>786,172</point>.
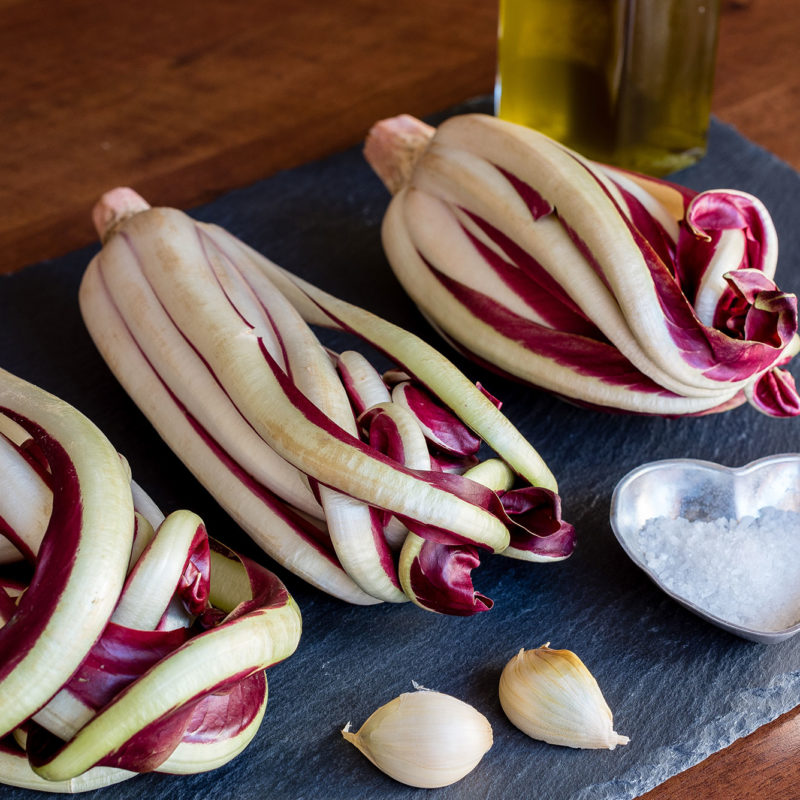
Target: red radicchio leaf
<point>650,228</point>
<point>447,462</point>
<point>194,584</point>
<point>350,387</point>
<point>775,394</point>
<point>145,751</point>
<point>153,745</point>
<point>7,606</point>
<point>531,283</point>
<point>468,490</point>
<point>498,404</point>
<point>18,542</point>
<point>755,309</point>
<point>34,455</point>
<point>542,531</point>
<point>719,210</point>
<point>201,720</point>
<point>267,589</point>
<point>713,350</point>
<point>126,654</point>
<point>119,657</point>
<point>537,205</point>
<point>720,356</point>
<point>441,580</point>
<point>227,711</point>
<point>707,216</point>
<point>579,353</point>
<point>383,434</point>
<point>56,556</point>
<point>448,430</point>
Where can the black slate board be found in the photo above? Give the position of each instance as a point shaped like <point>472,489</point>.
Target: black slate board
<point>680,688</point>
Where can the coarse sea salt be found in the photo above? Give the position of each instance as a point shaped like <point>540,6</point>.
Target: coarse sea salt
<point>746,571</point>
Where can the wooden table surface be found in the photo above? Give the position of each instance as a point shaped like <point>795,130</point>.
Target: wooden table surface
<point>186,99</point>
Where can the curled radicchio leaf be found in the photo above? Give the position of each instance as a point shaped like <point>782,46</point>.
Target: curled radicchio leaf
<point>442,580</point>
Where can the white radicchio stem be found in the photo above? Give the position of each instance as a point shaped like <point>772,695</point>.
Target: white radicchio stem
<point>138,694</point>
<point>89,538</point>
<point>610,288</point>
<point>167,290</point>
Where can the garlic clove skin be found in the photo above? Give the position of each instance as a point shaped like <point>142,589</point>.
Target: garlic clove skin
<point>425,739</point>
<point>552,696</point>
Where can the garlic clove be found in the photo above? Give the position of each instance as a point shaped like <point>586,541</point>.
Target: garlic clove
<point>424,738</point>
<point>552,696</point>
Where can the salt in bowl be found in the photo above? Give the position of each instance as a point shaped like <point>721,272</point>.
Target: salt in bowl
<point>706,494</point>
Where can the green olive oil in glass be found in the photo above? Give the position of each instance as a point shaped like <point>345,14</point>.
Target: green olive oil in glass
<point>625,82</point>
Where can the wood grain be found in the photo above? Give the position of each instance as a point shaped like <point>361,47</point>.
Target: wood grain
<point>757,85</point>
<point>762,766</point>
<point>186,99</point>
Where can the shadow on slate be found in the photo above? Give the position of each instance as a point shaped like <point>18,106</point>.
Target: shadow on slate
<point>680,688</point>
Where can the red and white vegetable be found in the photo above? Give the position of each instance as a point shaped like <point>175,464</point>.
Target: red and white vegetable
<point>606,287</point>
<point>212,341</point>
<point>22,525</point>
<point>138,644</point>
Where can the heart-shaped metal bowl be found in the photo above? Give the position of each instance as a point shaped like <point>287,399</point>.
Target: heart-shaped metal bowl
<point>703,490</point>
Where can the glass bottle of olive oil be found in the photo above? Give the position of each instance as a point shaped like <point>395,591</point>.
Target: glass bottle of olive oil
<point>626,82</point>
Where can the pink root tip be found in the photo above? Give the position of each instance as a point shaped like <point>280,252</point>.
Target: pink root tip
<point>393,147</point>
<point>114,207</point>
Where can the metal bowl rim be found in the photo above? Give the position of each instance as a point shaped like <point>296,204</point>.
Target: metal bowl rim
<point>754,634</point>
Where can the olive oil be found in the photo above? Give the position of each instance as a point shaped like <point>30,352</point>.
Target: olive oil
<point>626,82</point>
